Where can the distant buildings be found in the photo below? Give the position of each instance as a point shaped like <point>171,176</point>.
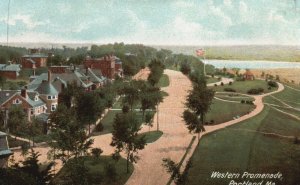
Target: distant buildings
<point>109,65</point>
<point>10,71</point>
<point>34,59</point>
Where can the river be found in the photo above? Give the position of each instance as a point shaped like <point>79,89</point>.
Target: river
<point>252,64</point>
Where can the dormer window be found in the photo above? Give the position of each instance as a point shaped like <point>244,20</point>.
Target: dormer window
<point>17,101</point>
<point>49,97</point>
<point>53,97</point>
<point>36,98</point>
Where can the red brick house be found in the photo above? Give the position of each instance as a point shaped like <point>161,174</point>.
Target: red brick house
<point>106,64</point>
<point>10,71</point>
<point>39,59</point>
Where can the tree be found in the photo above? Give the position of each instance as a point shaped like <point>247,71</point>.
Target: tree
<point>131,94</point>
<point>95,104</point>
<point>156,71</point>
<point>198,103</point>
<point>34,128</point>
<point>149,119</point>
<point>2,81</point>
<point>29,172</point>
<point>16,122</point>
<point>69,134</point>
<point>126,138</point>
<point>185,68</point>
<point>180,178</point>
<point>96,152</point>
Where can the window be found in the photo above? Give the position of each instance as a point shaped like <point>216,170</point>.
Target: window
<point>53,107</point>
<point>49,97</point>
<point>31,111</point>
<point>53,97</point>
<point>36,98</point>
<point>16,101</point>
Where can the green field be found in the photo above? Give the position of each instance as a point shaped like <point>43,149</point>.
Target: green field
<point>288,96</point>
<point>225,111</point>
<point>97,173</point>
<point>244,86</point>
<point>236,149</point>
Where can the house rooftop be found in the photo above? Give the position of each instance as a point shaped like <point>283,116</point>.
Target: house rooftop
<point>46,88</point>
<point>10,67</point>
<point>36,55</point>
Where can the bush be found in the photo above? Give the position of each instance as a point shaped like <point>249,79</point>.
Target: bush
<point>242,101</point>
<point>272,84</point>
<point>212,121</point>
<point>255,91</point>
<point>249,102</point>
<point>99,127</point>
<point>96,152</point>
<point>222,84</point>
<point>227,89</point>
<point>215,85</point>
<point>230,83</point>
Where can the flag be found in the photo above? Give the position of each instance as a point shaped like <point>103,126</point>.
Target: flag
<point>200,52</point>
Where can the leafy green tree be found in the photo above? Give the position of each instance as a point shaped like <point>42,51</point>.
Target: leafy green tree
<point>185,68</point>
<point>96,107</point>
<point>69,135</point>
<point>30,172</point>
<point>131,94</point>
<point>96,152</point>
<point>126,138</point>
<point>149,119</point>
<point>156,71</point>
<point>16,122</point>
<point>34,128</point>
<point>2,81</point>
<point>198,103</point>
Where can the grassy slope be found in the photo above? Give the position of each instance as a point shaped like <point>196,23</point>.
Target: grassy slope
<point>251,151</point>
<point>224,111</point>
<point>244,86</point>
<point>96,170</point>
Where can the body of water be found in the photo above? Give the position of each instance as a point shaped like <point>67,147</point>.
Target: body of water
<point>252,64</point>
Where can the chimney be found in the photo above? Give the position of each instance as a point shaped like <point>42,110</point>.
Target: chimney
<point>49,76</point>
<point>24,92</point>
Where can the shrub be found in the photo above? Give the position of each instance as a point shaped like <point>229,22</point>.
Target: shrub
<point>230,83</point>
<point>242,101</point>
<point>96,152</point>
<point>99,127</point>
<point>212,121</point>
<point>227,89</point>
<point>255,91</point>
<point>249,102</point>
<point>272,84</point>
<point>215,85</point>
<point>222,84</point>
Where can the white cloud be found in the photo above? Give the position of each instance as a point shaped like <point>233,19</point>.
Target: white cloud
<point>25,19</point>
<point>228,3</point>
<point>183,4</point>
<point>243,7</point>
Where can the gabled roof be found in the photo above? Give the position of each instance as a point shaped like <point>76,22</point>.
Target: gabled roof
<point>31,99</point>
<point>10,67</point>
<point>6,95</point>
<point>46,88</point>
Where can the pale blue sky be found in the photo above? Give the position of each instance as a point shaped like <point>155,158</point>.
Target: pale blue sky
<point>183,22</point>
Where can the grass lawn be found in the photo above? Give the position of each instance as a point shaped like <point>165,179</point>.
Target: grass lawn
<point>232,97</point>
<point>163,81</point>
<point>97,172</point>
<point>289,96</point>
<point>152,136</point>
<point>224,111</point>
<point>212,80</point>
<point>118,104</point>
<point>244,86</point>
<point>108,120</point>
<point>237,151</point>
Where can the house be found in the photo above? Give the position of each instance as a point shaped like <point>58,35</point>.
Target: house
<point>30,102</point>
<point>106,64</point>
<point>34,59</point>
<point>10,71</point>
<point>61,76</point>
<point>248,75</point>
<point>5,152</point>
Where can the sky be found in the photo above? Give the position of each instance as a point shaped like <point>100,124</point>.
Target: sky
<point>155,22</point>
